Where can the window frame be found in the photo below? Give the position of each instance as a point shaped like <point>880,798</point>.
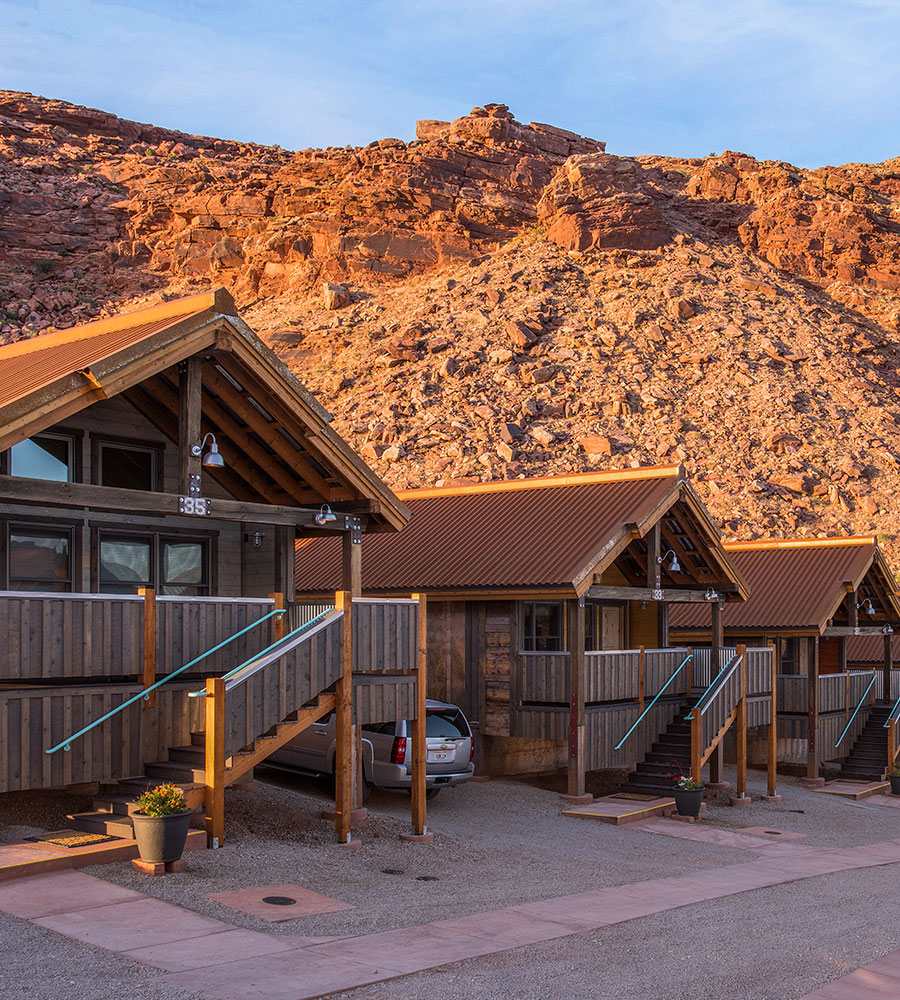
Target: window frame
<point>74,437</point>
<point>157,539</point>
<point>101,441</point>
<point>10,524</point>
<point>524,636</point>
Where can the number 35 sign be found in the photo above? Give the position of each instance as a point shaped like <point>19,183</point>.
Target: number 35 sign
<point>198,506</point>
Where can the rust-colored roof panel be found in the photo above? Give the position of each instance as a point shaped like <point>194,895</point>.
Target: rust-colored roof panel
<point>516,535</point>
<point>30,366</point>
<point>870,649</point>
<point>791,585</point>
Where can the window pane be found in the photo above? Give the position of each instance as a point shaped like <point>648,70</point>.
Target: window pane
<point>445,723</point>
<point>184,568</point>
<point>126,468</point>
<point>543,627</point>
<point>39,559</point>
<point>124,565</point>
<point>42,458</point>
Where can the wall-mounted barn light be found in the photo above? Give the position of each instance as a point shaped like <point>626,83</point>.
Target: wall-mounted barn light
<point>212,459</point>
<point>674,565</point>
<point>866,606</point>
<point>325,515</point>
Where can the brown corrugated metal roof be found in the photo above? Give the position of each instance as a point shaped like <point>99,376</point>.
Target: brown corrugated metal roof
<point>526,534</point>
<point>870,649</point>
<point>793,584</point>
<point>29,365</point>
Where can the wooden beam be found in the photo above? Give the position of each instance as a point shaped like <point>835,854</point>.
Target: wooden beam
<point>269,432</point>
<point>189,426</point>
<point>842,630</point>
<point>600,592</point>
<point>343,763</point>
<point>772,733</point>
<point>742,727</point>
<point>38,491</point>
<point>149,678</point>
<point>811,656</point>
<point>214,762</point>
<point>419,748</point>
<point>654,572</point>
<point>886,668</point>
<point>717,641</point>
<point>575,632</point>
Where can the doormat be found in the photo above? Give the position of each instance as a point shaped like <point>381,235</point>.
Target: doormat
<point>636,796</point>
<point>72,838</point>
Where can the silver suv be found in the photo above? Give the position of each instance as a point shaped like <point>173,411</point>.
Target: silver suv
<point>387,750</point>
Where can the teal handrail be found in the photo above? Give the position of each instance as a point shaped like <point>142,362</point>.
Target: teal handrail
<point>855,710</point>
<point>652,703</point>
<point>145,694</point>
<point>268,649</point>
<point>721,676</point>
<point>893,716</point>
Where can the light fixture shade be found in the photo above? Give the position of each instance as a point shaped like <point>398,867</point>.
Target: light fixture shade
<point>212,459</point>
<point>711,595</point>
<point>674,565</point>
<point>870,608</point>
<point>325,515</point>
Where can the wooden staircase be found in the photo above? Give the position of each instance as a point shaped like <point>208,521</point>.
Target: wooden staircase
<point>185,767</point>
<point>868,758</point>
<point>670,754</point>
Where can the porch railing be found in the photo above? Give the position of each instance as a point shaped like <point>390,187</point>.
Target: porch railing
<point>702,673</point>
<point>716,709</point>
<point>659,694</point>
<point>855,710</point>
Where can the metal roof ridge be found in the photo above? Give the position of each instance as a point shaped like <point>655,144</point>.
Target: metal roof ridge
<point>174,309</point>
<point>545,482</point>
<point>801,543</point>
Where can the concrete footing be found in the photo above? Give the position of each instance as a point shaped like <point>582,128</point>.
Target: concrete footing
<point>812,782</point>
<point>740,800</point>
<point>718,786</point>
<point>417,838</point>
<point>770,798</point>
<point>351,845</point>
<point>577,800</point>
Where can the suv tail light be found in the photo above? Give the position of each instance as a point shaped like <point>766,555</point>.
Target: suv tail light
<point>471,749</point>
<point>398,750</point>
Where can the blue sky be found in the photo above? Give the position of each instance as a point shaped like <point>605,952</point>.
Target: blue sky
<point>810,82</point>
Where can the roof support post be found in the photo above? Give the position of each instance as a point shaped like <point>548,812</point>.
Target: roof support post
<point>351,582</point>
<point>575,632</point>
<point>809,652</point>
<point>887,666</point>
<point>419,748</point>
<point>717,641</point>
<point>343,784</point>
<point>654,570</point>
<point>852,609</point>
<point>189,406</point>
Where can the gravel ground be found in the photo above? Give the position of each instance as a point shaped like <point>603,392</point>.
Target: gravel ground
<point>503,843</point>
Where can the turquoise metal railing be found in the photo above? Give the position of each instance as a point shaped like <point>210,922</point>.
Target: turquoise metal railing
<point>894,715</point>
<point>717,684</point>
<point>144,695</point>
<point>305,627</point>
<point>855,710</point>
<point>652,703</point>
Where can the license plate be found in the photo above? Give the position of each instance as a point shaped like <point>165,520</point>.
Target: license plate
<point>437,755</point>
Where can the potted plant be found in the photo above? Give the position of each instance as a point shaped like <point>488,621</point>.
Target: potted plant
<point>894,775</point>
<point>688,796</point>
<point>161,823</point>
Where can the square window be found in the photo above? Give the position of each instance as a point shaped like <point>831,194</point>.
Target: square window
<point>126,564</point>
<point>40,559</point>
<point>44,456</point>
<point>126,467</point>
<point>543,626</point>
<point>184,568</point>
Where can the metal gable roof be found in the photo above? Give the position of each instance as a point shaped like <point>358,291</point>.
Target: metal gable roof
<point>528,534</point>
<point>792,584</point>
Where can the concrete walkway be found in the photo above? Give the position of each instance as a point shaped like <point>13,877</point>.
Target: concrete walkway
<point>877,981</point>
<point>221,961</point>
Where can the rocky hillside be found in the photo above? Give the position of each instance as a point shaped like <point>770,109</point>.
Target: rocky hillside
<point>497,299</point>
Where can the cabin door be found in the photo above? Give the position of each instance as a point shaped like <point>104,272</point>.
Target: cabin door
<point>613,626</point>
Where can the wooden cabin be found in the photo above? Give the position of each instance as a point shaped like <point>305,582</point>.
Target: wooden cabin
<point>156,469</point>
<point>811,600</point>
<point>548,609</point>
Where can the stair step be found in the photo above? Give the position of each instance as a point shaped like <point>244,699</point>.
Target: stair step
<point>103,822</point>
<point>198,739</point>
<point>188,754</point>
<point>115,805</point>
<point>175,772</point>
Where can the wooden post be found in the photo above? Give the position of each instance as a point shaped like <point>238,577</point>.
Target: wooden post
<point>852,609</point>
<point>717,641</point>
<point>214,763</point>
<point>419,752</point>
<point>189,406</point>
<point>149,677</point>
<point>654,568</point>
<point>886,668</point>
<point>812,687</point>
<point>772,762</point>
<point>842,653</point>
<point>343,762</point>
<point>742,727</point>
<point>575,631</point>
<point>351,581</point>
<point>891,743</point>
<point>696,745</point>
<point>641,682</point>
<point>278,627</point>
<point>662,624</point>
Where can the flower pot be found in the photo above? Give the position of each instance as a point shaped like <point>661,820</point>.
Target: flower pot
<point>895,783</point>
<point>688,801</point>
<point>161,838</point>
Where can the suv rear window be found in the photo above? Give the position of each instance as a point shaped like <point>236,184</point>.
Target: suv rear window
<point>445,723</point>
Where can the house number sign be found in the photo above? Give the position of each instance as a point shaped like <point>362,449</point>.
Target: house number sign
<point>198,506</point>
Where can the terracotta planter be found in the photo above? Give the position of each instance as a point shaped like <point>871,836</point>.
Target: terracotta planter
<point>688,801</point>
<point>161,838</point>
<point>895,783</point>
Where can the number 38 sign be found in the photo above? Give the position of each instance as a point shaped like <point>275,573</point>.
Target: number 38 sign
<point>193,505</point>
